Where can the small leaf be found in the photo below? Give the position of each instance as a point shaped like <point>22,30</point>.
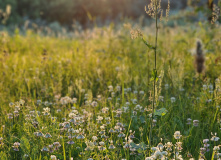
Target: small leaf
<point>142,119</point>
<point>154,75</point>
<point>160,112</point>
<point>147,44</point>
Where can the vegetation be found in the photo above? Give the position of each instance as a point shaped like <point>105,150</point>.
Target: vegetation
<point>102,94</point>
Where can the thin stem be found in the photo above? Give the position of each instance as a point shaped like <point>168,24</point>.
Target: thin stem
<point>155,71</point>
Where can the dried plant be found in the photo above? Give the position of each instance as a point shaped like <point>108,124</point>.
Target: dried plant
<point>199,58</point>
<point>215,13</point>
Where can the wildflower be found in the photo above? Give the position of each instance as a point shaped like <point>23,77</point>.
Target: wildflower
<point>90,146</point>
<point>135,33</point>
<point>99,97</point>
<point>166,86</point>
<point>38,134</point>
<point>160,146</point>
<point>134,101</point>
<point>195,123</point>
<point>177,135</point>
<point>161,98</point>
<point>141,92</point>
<point>16,146</point>
<point>205,140</point>
<point>121,135</point>
<point>46,111</point>
<point>99,119</point>
<point>105,110</point>
<point>21,102</point>
<point>173,99</point>
<point>111,130</point>
<point>158,155</point>
<point>47,135</point>
<point>154,122</point>
<point>74,100</point>
<point>112,94</point>
<point>26,155</point>
<point>44,149</point>
<point>94,104</point>
<point>16,113</point>
<point>57,145</point>
<point>215,14</point>
<point>50,148</point>
<point>53,157</point>
<point>94,138</point>
<point>126,146</point>
<point>80,136</point>
<point>182,89</point>
<point>132,134</point>
<point>101,147</point>
<point>216,148</point>
<point>111,145</point>
<point>154,149</point>
<point>118,88</point>
<point>179,145</point>
<point>135,92</point>
<point>214,138</point>
<point>168,146</point>
<point>189,120</point>
<point>149,158</point>
<point>10,116</point>
<point>11,104</point>
<point>110,88</point>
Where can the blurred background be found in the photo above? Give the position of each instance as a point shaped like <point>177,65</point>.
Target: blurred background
<point>87,13</point>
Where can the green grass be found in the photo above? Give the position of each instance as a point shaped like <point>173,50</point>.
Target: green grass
<point>35,67</point>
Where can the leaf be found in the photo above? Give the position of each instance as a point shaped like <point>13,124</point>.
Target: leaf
<point>154,75</point>
<point>142,119</point>
<point>142,146</point>
<point>133,145</point>
<point>160,112</point>
<point>147,44</point>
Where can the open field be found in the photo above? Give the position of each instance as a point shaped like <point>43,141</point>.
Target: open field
<point>90,96</point>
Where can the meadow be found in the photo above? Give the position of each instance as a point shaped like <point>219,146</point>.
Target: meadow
<point>89,95</point>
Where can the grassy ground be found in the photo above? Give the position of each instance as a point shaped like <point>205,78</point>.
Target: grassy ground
<point>109,74</point>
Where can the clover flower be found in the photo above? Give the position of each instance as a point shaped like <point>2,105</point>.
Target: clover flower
<point>195,123</point>
<point>214,137</point>
<point>16,146</point>
<point>173,99</point>
<point>46,111</point>
<point>177,135</point>
<point>45,149</point>
<point>57,145</point>
<point>53,157</point>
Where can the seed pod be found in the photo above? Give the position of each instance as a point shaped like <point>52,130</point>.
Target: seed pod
<point>199,58</point>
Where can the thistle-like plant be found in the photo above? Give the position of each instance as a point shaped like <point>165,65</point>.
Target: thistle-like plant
<point>156,12</point>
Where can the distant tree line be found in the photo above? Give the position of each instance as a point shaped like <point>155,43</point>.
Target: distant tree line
<point>65,11</point>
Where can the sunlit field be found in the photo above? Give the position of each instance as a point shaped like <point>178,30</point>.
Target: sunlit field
<point>101,94</point>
